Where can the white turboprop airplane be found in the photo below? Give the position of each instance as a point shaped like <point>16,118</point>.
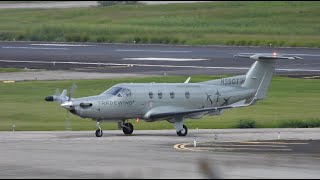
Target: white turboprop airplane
<point>174,102</point>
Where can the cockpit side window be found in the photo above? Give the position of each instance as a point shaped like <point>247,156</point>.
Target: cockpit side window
<point>113,91</point>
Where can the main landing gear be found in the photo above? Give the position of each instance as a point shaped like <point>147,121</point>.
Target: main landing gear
<point>126,127</point>
<point>183,131</point>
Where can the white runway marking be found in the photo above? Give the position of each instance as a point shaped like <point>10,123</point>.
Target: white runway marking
<point>141,50</point>
<point>163,59</point>
<point>75,45</point>
<point>9,47</point>
<point>149,65</point>
<point>118,64</point>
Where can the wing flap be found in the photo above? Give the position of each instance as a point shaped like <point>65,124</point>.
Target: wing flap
<point>161,115</point>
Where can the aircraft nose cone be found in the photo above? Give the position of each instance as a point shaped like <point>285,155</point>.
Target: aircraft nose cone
<point>67,105</point>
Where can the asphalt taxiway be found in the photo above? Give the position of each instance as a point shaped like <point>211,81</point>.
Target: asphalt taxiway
<point>149,59</point>
<point>218,153</point>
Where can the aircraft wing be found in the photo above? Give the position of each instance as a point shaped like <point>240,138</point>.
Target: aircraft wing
<point>160,115</point>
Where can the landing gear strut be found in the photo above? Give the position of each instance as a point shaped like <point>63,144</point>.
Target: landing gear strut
<point>99,131</point>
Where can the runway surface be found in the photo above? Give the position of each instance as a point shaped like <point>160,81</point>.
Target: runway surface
<point>229,153</point>
<point>150,59</point>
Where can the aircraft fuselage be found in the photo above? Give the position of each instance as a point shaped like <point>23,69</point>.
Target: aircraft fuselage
<point>146,97</point>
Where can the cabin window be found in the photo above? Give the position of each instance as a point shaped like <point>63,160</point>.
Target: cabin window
<point>150,95</point>
<point>187,94</point>
<point>171,95</point>
<point>160,95</point>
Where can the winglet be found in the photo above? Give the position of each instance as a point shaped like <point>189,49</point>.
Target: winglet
<point>187,81</point>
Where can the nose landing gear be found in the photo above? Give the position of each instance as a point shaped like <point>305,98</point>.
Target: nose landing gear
<point>99,131</point>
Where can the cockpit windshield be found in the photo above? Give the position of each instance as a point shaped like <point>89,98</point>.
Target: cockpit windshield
<point>125,92</point>
<point>118,91</point>
<point>113,91</point>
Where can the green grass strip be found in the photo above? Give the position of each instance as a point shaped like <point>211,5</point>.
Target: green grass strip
<point>256,23</point>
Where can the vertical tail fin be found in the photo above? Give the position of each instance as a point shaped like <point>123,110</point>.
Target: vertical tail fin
<point>259,77</point>
<point>260,74</point>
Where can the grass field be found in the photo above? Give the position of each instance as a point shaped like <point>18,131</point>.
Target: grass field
<point>14,2</point>
<point>281,23</point>
<point>23,105</point>
<point>5,70</point>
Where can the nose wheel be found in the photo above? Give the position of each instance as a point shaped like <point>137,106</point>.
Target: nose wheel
<point>99,131</point>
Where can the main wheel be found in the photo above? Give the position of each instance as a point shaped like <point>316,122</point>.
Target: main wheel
<point>128,129</point>
<point>183,132</point>
<point>99,133</point>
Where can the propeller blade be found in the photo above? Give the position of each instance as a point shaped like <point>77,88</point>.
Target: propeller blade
<point>72,89</point>
<point>67,122</point>
<point>57,93</point>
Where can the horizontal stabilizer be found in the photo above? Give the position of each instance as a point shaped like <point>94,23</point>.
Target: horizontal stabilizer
<point>260,56</point>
